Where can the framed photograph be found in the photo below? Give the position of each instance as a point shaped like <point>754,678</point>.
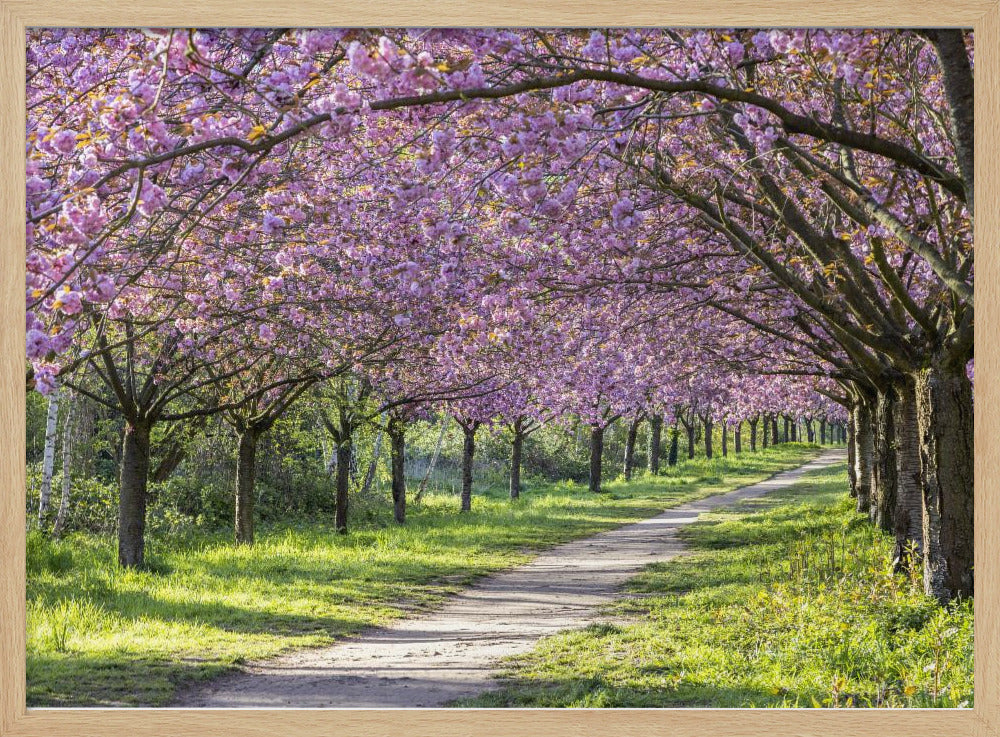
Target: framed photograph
<point>498,369</point>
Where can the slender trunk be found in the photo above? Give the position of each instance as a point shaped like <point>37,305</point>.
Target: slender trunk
<point>753,435</point>
<point>132,494</point>
<point>738,438</point>
<point>516,446</point>
<point>852,452</point>
<point>708,437</point>
<point>944,418</point>
<point>633,431</point>
<point>883,491</point>
<point>246,476</point>
<point>366,485</point>
<point>434,459</point>
<point>690,436</point>
<point>725,439</point>
<point>822,431</point>
<point>344,452</point>
<point>794,425</point>
<point>774,430</point>
<point>863,455</point>
<point>908,522</point>
<point>468,455</point>
<point>596,454</point>
<point>653,453</point>
<point>48,458</point>
<point>674,440</point>
<point>784,425</point>
<point>67,467</point>
<point>397,442</point>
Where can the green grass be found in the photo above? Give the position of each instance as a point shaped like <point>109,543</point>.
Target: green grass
<point>787,602</point>
<point>98,635</point>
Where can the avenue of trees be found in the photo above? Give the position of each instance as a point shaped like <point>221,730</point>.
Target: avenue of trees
<point>732,235</point>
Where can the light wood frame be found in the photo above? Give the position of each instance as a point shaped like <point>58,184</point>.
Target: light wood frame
<point>18,721</point>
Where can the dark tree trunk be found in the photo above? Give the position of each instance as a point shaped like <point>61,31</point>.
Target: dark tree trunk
<point>246,475</point>
<point>944,418</point>
<point>725,439</point>
<point>468,455</point>
<point>785,436</point>
<point>674,441</point>
<point>633,431</point>
<point>343,482</point>
<point>132,498</point>
<point>863,455</point>
<point>690,436</point>
<point>596,456</point>
<point>397,440</point>
<point>708,437</point>
<point>653,452</point>
<point>774,430</point>
<point>516,446</point>
<point>822,431</point>
<point>908,523</point>
<point>883,491</point>
<point>753,435</point>
<point>794,426</point>
<point>738,438</point>
<point>852,452</point>
<point>810,432</point>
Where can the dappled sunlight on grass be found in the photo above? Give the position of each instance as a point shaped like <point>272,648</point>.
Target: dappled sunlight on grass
<point>98,635</point>
<point>787,601</point>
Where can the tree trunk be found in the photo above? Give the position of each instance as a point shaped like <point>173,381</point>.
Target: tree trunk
<point>344,452</point>
<point>633,431</point>
<point>48,457</point>
<point>753,435</point>
<point>366,485</point>
<point>822,431</point>
<point>434,459</point>
<point>674,440</point>
<point>397,441</point>
<point>852,452</point>
<point>908,522</point>
<point>468,455</point>
<point>863,455</point>
<point>725,439</point>
<point>883,499</point>
<point>246,477</point>
<point>793,425</point>
<point>944,419</point>
<point>774,430</point>
<point>708,437</point>
<point>67,467</point>
<point>132,494</point>
<point>653,453</point>
<point>516,446</point>
<point>596,454</point>
<point>738,438</point>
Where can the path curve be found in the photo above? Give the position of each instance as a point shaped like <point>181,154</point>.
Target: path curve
<point>450,653</point>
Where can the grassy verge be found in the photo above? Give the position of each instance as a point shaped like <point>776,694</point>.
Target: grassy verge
<point>787,602</point>
<point>98,635</point>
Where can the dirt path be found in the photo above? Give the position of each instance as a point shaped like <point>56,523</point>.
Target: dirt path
<point>449,653</point>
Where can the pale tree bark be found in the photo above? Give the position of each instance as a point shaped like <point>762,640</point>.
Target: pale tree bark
<point>433,462</point>
<point>653,451</point>
<point>48,457</point>
<point>68,448</point>
<point>468,456</point>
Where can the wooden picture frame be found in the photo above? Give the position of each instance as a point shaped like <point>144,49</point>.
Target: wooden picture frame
<point>17,721</point>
